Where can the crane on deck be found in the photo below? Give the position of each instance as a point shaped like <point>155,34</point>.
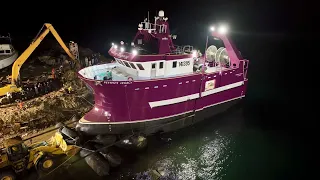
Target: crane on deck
<point>14,86</point>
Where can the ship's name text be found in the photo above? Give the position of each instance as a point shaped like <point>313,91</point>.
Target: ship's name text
<point>116,82</point>
<point>184,63</point>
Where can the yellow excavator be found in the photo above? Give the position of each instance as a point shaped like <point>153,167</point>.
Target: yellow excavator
<point>14,87</point>
<point>17,157</point>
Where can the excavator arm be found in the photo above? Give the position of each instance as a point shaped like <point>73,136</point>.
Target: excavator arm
<point>25,55</point>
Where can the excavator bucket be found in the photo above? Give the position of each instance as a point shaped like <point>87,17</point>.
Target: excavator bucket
<point>58,141</point>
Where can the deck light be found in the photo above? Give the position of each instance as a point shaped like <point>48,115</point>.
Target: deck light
<point>115,46</point>
<point>212,28</point>
<point>223,29</point>
<point>194,53</point>
<point>122,49</point>
<point>96,109</point>
<point>112,44</point>
<point>134,52</point>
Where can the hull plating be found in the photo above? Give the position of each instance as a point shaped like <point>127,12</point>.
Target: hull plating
<point>140,103</point>
<point>167,124</point>
<point>5,62</point>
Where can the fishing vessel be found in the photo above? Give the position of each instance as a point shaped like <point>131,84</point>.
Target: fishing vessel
<point>7,53</point>
<point>156,86</point>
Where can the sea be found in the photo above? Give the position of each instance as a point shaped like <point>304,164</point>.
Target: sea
<point>259,139</point>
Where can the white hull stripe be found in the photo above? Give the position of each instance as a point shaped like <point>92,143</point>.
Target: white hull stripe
<point>83,121</point>
<point>173,101</point>
<point>223,88</point>
<point>194,96</point>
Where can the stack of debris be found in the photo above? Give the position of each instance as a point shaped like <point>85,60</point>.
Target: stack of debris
<point>36,114</point>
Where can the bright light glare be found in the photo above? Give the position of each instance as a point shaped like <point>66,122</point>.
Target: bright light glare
<point>96,109</point>
<point>212,28</point>
<point>122,49</point>
<point>223,29</point>
<point>106,113</point>
<point>134,52</point>
<point>194,53</point>
<point>132,44</point>
<point>115,46</point>
<point>112,44</point>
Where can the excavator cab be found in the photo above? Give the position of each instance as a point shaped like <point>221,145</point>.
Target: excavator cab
<point>18,153</point>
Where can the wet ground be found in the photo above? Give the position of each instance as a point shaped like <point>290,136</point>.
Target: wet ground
<point>222,147</point>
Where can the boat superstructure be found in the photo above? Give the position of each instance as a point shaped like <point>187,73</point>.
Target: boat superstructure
<point>154,85</point>
<point>7,53</point>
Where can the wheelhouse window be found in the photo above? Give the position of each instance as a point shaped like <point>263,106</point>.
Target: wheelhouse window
<point>126,63</point>
<point>132,65</point>
<point>120,62</point>
<point>153,65</point>
<point>161,65</point>
<point>140,66</point>
<point>1,51</point>
<point>174,64</point>
<point>8,51</point>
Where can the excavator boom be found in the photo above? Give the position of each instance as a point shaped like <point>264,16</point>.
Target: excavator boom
<point>25,55</point>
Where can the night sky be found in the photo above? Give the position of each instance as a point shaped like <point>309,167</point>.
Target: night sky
<point>268,33</point>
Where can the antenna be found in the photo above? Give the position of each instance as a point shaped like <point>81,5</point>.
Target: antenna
<point>10,38</point>
<point>148,20</point>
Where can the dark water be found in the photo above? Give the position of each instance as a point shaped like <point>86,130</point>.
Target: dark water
<point>223,147</point>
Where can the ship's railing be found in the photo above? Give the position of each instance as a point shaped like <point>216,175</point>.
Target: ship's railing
<point>187,49</point>
<point>151,27</point>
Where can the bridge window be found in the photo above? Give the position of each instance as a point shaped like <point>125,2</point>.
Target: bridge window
<point>132,65</point>
<point>174,64</point>
<point>121,62</point>
<point>126,63</point>
<point>1,51</point>
<point>140,66</point>
<point>161,65</point>
<point>8,51</point>
<point>153,65</point>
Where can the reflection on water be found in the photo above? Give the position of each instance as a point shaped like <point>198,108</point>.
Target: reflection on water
<point>200,158</point>
<point>216,149</point>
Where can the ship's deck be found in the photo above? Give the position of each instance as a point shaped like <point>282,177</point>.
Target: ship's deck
<point>98,72</point>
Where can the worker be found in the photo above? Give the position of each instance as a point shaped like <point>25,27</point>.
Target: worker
<point>92,59</point>
<point>86,60</point>
<point>40,88</point>
<point>49,86</point>
<point>9,96</point>
<point>36,89</point>
<point>53,73</point>
<point>20,104</point>
<point>109,75</point>
<point>96,59</point>
<point>69,89</point>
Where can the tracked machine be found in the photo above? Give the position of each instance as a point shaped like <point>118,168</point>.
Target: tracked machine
<point>17,90</point>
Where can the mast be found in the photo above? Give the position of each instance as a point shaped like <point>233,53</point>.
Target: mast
<point>148,21</point>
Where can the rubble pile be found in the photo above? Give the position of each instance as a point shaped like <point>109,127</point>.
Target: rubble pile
<point>44,111</point>
<point>31,116</point>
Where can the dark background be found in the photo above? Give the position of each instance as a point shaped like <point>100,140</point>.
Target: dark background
<point>275,36</point>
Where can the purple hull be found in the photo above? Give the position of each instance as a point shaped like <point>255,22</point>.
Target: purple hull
<point>128,103</point>
<point>159,86</point>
